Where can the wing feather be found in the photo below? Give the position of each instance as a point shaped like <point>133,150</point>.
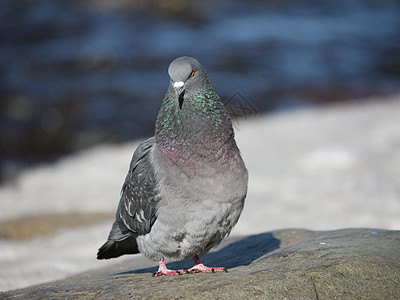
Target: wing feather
<point>137,209</point>
<point>138,205</point>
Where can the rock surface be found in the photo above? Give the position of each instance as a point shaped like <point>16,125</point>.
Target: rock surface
<point>285,264</point>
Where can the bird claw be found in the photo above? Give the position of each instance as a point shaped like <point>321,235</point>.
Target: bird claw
<point>193,270</point>
<point>200,268</point>
<point>162,270</point>
<point>168,273</point>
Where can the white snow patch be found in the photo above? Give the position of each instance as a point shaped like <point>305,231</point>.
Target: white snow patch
<point>329,158</point>
<point>51,258</point>
<point>89,181</point>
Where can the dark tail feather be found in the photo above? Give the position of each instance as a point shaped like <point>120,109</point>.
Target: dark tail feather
<point>113,249</point>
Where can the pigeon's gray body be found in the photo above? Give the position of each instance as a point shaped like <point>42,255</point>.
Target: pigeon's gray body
<point>186,186</point>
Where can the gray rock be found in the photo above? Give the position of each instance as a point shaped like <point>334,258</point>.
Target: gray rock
<point>286,264</point>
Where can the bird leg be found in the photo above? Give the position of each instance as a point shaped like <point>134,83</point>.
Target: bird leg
<point>162,270</point>
<point>198,267</point>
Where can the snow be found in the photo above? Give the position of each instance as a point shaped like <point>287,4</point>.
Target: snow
<point>46,259</point>
<point>320,169</point>
<point>90,181</point>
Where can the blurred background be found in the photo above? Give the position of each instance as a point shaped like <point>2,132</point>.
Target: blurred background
<point>81,80</point>
<point>78,73</point>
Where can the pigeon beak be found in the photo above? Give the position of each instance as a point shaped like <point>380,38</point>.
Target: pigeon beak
<point>179,87</point>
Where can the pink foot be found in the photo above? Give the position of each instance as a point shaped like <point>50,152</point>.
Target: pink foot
<point>198,267</point>
<point>162,270</point>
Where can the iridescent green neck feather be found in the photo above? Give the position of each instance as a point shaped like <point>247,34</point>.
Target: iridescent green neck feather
<point>201,126</point>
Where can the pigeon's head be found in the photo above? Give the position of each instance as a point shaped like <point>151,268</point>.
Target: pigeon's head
<point>186,75</point>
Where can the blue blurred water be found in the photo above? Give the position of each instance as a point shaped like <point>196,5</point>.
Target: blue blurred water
<point>76,73</point>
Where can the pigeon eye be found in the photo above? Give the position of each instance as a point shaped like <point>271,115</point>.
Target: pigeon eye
<point>191,74</point>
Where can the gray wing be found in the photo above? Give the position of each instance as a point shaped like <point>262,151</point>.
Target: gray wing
<point>137,207</point>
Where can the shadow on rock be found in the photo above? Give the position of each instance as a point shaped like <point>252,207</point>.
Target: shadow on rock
<point>239,253</point>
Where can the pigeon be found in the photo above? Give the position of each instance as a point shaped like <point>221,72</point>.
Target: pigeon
<point>186,186</point>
